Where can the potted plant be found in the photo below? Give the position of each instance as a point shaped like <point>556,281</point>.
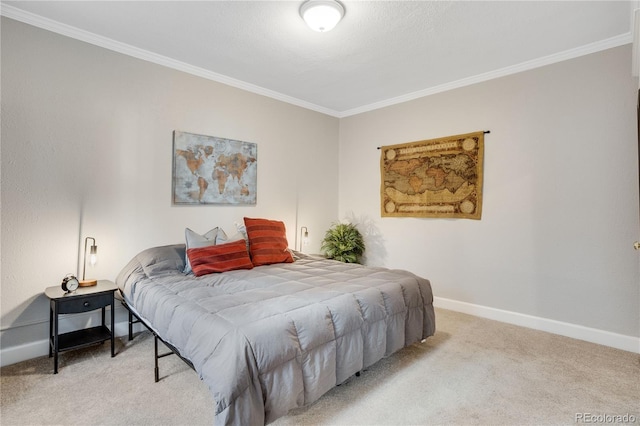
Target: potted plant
<point>343,242</point>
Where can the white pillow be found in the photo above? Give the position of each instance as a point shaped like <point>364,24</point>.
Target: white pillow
<point>195,240</point>
<point>241,234</point>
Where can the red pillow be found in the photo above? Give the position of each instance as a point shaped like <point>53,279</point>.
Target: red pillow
<point>267,241</point>
<point>220,258</point>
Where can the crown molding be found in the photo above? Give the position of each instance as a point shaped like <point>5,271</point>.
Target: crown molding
<point>514,69</point>
<point>107,43</point>
<point>116,46</point>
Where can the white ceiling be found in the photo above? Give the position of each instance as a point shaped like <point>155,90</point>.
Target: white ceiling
<point>381,53</point>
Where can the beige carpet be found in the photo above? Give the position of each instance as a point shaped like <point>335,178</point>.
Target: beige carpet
<point>473,371</point>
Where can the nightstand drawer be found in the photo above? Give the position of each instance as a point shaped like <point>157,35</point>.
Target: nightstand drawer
<point>84,304</point>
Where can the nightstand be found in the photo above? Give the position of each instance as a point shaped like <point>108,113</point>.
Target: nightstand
<point>84,299</point>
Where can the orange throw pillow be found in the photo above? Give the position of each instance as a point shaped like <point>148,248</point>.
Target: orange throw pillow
<point>220,258</point>
<point>267,241</point>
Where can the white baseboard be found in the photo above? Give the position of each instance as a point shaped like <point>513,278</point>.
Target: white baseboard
<point>12,355</point>
<point>593,335</point>
<point>19,353</point>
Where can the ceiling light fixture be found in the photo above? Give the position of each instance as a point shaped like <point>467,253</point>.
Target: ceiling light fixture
<point>321,15</point>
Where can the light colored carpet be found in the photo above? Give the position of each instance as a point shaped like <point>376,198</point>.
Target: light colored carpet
<point>473,371</point>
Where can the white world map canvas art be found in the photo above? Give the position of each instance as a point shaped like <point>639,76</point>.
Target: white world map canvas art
<point>213,170</point>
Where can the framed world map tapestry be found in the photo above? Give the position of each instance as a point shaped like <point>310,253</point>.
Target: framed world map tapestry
<point>433,178</point>
<point>211,170</point>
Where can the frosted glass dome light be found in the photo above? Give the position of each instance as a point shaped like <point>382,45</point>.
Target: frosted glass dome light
<point>321,15</point>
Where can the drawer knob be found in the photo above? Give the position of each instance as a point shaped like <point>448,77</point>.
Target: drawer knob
<point>86,304</point>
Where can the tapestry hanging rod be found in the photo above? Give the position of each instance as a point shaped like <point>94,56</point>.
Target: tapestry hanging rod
<point>485,132</point>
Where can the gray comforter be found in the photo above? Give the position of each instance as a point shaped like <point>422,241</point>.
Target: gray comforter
<point>277,337</point>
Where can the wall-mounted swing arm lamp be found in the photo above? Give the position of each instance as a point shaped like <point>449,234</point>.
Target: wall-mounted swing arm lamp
<point>321,15</point>
<point>304,237</point>
<point>93,257</point>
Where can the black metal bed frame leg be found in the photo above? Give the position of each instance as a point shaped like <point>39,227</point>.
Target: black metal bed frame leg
<point>157,369</point>
<point>157,356</point>
<point>130,325</point>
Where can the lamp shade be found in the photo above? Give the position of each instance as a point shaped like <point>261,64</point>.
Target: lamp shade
<point>321,15</point>
<point>304,237</point>
<point>93,256</point>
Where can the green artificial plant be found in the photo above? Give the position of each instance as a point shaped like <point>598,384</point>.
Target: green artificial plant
<point>343,242</point>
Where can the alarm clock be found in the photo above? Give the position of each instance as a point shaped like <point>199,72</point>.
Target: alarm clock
<point>70,283</point>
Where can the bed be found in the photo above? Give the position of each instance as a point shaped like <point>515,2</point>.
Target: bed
<point>274,337</point>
